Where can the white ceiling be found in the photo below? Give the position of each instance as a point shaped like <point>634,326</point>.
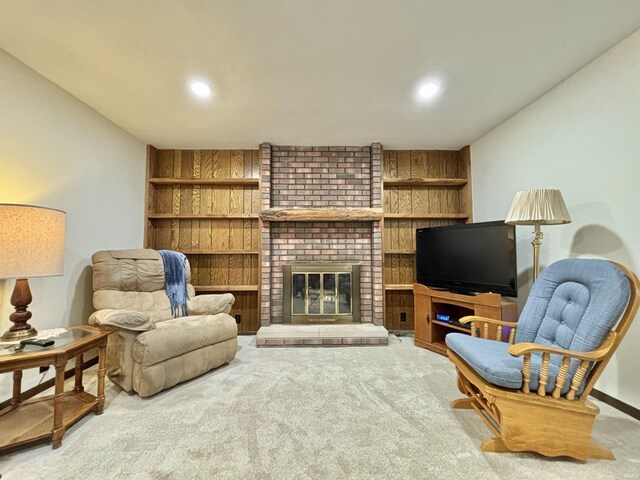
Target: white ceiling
<point>310,72</point>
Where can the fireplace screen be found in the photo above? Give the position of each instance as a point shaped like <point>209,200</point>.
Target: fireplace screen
<point>321,293</point>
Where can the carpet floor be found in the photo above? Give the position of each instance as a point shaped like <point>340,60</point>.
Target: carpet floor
<point>307,413</point>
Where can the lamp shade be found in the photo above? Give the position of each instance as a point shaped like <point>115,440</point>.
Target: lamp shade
<point>544,206</point>
<point>31,241</point>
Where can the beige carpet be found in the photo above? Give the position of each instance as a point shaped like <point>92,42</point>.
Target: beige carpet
<point>311,413</point>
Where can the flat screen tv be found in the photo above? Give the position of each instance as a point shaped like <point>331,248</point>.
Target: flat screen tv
<point>468,258</point>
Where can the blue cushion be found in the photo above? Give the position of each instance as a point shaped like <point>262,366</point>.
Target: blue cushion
<point>492,362</point>
<point>488,358</point>
<point>573,304</point>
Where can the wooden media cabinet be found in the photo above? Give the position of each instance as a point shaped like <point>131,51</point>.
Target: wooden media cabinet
<point>429,303</point>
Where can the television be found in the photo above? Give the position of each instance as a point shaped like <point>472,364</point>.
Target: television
<point>468,258</point>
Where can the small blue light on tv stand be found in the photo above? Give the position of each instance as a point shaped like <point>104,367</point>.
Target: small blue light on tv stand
<point>442,317</point>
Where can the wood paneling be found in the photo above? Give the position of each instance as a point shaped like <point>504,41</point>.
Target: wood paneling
<point>206,203</point>
<point>399,307</point>
<point>421,188</point>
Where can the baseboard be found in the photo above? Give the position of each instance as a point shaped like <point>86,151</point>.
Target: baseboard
<point>49,383</point>
<point>617,404</point>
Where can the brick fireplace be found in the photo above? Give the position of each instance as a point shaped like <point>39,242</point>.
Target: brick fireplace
<point>321,204</point>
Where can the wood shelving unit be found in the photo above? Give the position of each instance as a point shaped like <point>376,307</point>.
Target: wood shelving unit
<point>226,288</point>
<point>450,326</point>
<point>430,182</point>
<point>204,181</point>
<point>421,188</point>
<point>427,216</point>
<point>220,252</point>
<point>198,216</point>
<point>206,204</point>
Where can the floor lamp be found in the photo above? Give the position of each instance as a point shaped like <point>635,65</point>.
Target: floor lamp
<point>538,206</point>
<point>31,245</point>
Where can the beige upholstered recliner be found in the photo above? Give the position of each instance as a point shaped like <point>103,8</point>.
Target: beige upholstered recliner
<point>149,350</point>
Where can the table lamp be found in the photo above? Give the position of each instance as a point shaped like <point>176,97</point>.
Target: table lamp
<point>538,206</point>
<point>31,245</point>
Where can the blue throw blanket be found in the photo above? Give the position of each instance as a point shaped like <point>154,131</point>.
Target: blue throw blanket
<point>175,278</point>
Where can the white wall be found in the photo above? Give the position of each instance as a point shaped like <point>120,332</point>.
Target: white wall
<point>582,137</point>
<point>57,152</point>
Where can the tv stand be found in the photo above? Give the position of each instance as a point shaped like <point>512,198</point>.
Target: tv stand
<point>429,303</point>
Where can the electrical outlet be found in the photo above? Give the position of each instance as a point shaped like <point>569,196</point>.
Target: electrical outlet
<point>44,368</point>
<point>238,318</point>
<point>403,316</point>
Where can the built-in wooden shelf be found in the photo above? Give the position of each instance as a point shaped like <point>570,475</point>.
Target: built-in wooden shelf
<point>204,181</point>
<point>199,216</point>
<point>321,214</point>
<point>226,288</point>
<point>220,236</point>
<point>399,286</point>
<point>425,182</point>
<point>452,326</point>
<point>220,252</point>
<point>427,216</point>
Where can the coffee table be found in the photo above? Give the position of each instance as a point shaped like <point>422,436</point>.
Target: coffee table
<point>49,417</point>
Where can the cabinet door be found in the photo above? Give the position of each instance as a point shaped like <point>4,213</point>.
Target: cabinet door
<point>422,317</point>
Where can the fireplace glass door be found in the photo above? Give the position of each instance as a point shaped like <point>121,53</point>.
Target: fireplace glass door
<point>320,293</point>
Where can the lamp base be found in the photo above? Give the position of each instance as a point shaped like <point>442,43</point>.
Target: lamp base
<point>15,336</point>
<point>20,299</point>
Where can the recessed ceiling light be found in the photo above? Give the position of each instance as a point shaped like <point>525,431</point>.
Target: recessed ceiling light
<point>428,90</point>
<point>201,89</point>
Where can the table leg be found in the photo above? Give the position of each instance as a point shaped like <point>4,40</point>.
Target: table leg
<point>58,427</point>
<point>102,368</point>
<point>79,387</point>
<point>17,387</point>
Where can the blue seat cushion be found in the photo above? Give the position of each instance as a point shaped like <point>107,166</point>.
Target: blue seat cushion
<point>490,360</point>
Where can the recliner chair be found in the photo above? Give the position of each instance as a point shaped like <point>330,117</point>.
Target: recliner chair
<point>149,350</point>
<point>533,394</point>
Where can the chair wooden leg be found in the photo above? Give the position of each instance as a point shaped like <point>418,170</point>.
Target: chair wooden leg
<point>460,382</point>
<point>463,403</point>
<point>493,444</point>
<point>598,451</point>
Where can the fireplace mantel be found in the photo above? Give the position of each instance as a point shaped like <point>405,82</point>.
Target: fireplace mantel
<point>321,214</point>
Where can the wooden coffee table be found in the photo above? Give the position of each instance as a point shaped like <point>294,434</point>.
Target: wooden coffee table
<point>49,417</point>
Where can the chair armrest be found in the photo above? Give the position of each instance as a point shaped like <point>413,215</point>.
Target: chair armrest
<point>586,359</point>
<point>210,304</point>
<point>474,319</point>
<point>520,349</point>
<point>126,319</point>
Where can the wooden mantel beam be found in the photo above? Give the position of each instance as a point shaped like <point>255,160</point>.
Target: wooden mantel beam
<point>321,214</point>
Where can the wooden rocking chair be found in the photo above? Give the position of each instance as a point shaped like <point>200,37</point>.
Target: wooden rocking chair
<point>533,393</point>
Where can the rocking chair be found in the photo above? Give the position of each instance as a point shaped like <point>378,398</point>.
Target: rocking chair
<point>532,391</point>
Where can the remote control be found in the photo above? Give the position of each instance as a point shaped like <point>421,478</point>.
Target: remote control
<point>37,343</point>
